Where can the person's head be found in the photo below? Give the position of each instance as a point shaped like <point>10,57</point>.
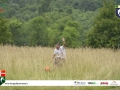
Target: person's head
<point>57,46</point>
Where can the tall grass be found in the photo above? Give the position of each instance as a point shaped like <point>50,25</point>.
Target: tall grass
<point>28,63</point>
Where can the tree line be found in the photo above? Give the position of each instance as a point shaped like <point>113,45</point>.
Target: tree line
<point>83,23</point>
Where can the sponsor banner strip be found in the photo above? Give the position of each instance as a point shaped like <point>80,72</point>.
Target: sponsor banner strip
<point>61,83</point>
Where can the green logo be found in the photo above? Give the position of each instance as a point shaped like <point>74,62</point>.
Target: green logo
<point>2,80</point>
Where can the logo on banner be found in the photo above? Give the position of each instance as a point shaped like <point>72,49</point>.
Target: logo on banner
<point>117,7</point>
<point>114,83</point>
<point>91,82</point>
<point>79,83</point>
<point>104,83</point>
<point>2,76</point>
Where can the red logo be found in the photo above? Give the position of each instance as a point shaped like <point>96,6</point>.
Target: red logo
<point>104,83</point>
<point>2,73</point>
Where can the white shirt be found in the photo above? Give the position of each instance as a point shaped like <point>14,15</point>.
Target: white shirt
<point>60,52</point>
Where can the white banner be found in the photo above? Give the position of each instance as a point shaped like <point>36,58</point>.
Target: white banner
<point>61,83</point>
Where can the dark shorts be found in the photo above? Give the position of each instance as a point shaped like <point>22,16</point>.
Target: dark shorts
<point>59,61</point>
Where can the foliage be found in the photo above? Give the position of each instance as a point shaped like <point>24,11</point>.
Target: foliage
<point>37,32</point>
<point>105,31</point>
<point>45,22</point>
<point>5,34</point>
<point>15,28</point>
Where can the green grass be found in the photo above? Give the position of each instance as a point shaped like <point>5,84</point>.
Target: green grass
<point>28,63</point>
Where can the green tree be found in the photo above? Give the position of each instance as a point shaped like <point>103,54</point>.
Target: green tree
<point>37,31</point>
<point>90,5</point>
<point>72,36</point>
<point>69,10</point>
<point>15,27</point>
<point>44,7</point>
<point>106,28</point>
<point>5,34</point>
<point>53,36</point>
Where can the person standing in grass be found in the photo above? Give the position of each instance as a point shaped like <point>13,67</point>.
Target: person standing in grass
<point>59,55</point>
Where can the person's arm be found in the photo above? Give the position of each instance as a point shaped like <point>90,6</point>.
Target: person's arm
<point>63,39</point>
<point>53,57</point>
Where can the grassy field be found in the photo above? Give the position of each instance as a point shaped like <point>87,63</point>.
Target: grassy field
<point>28,63</point>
